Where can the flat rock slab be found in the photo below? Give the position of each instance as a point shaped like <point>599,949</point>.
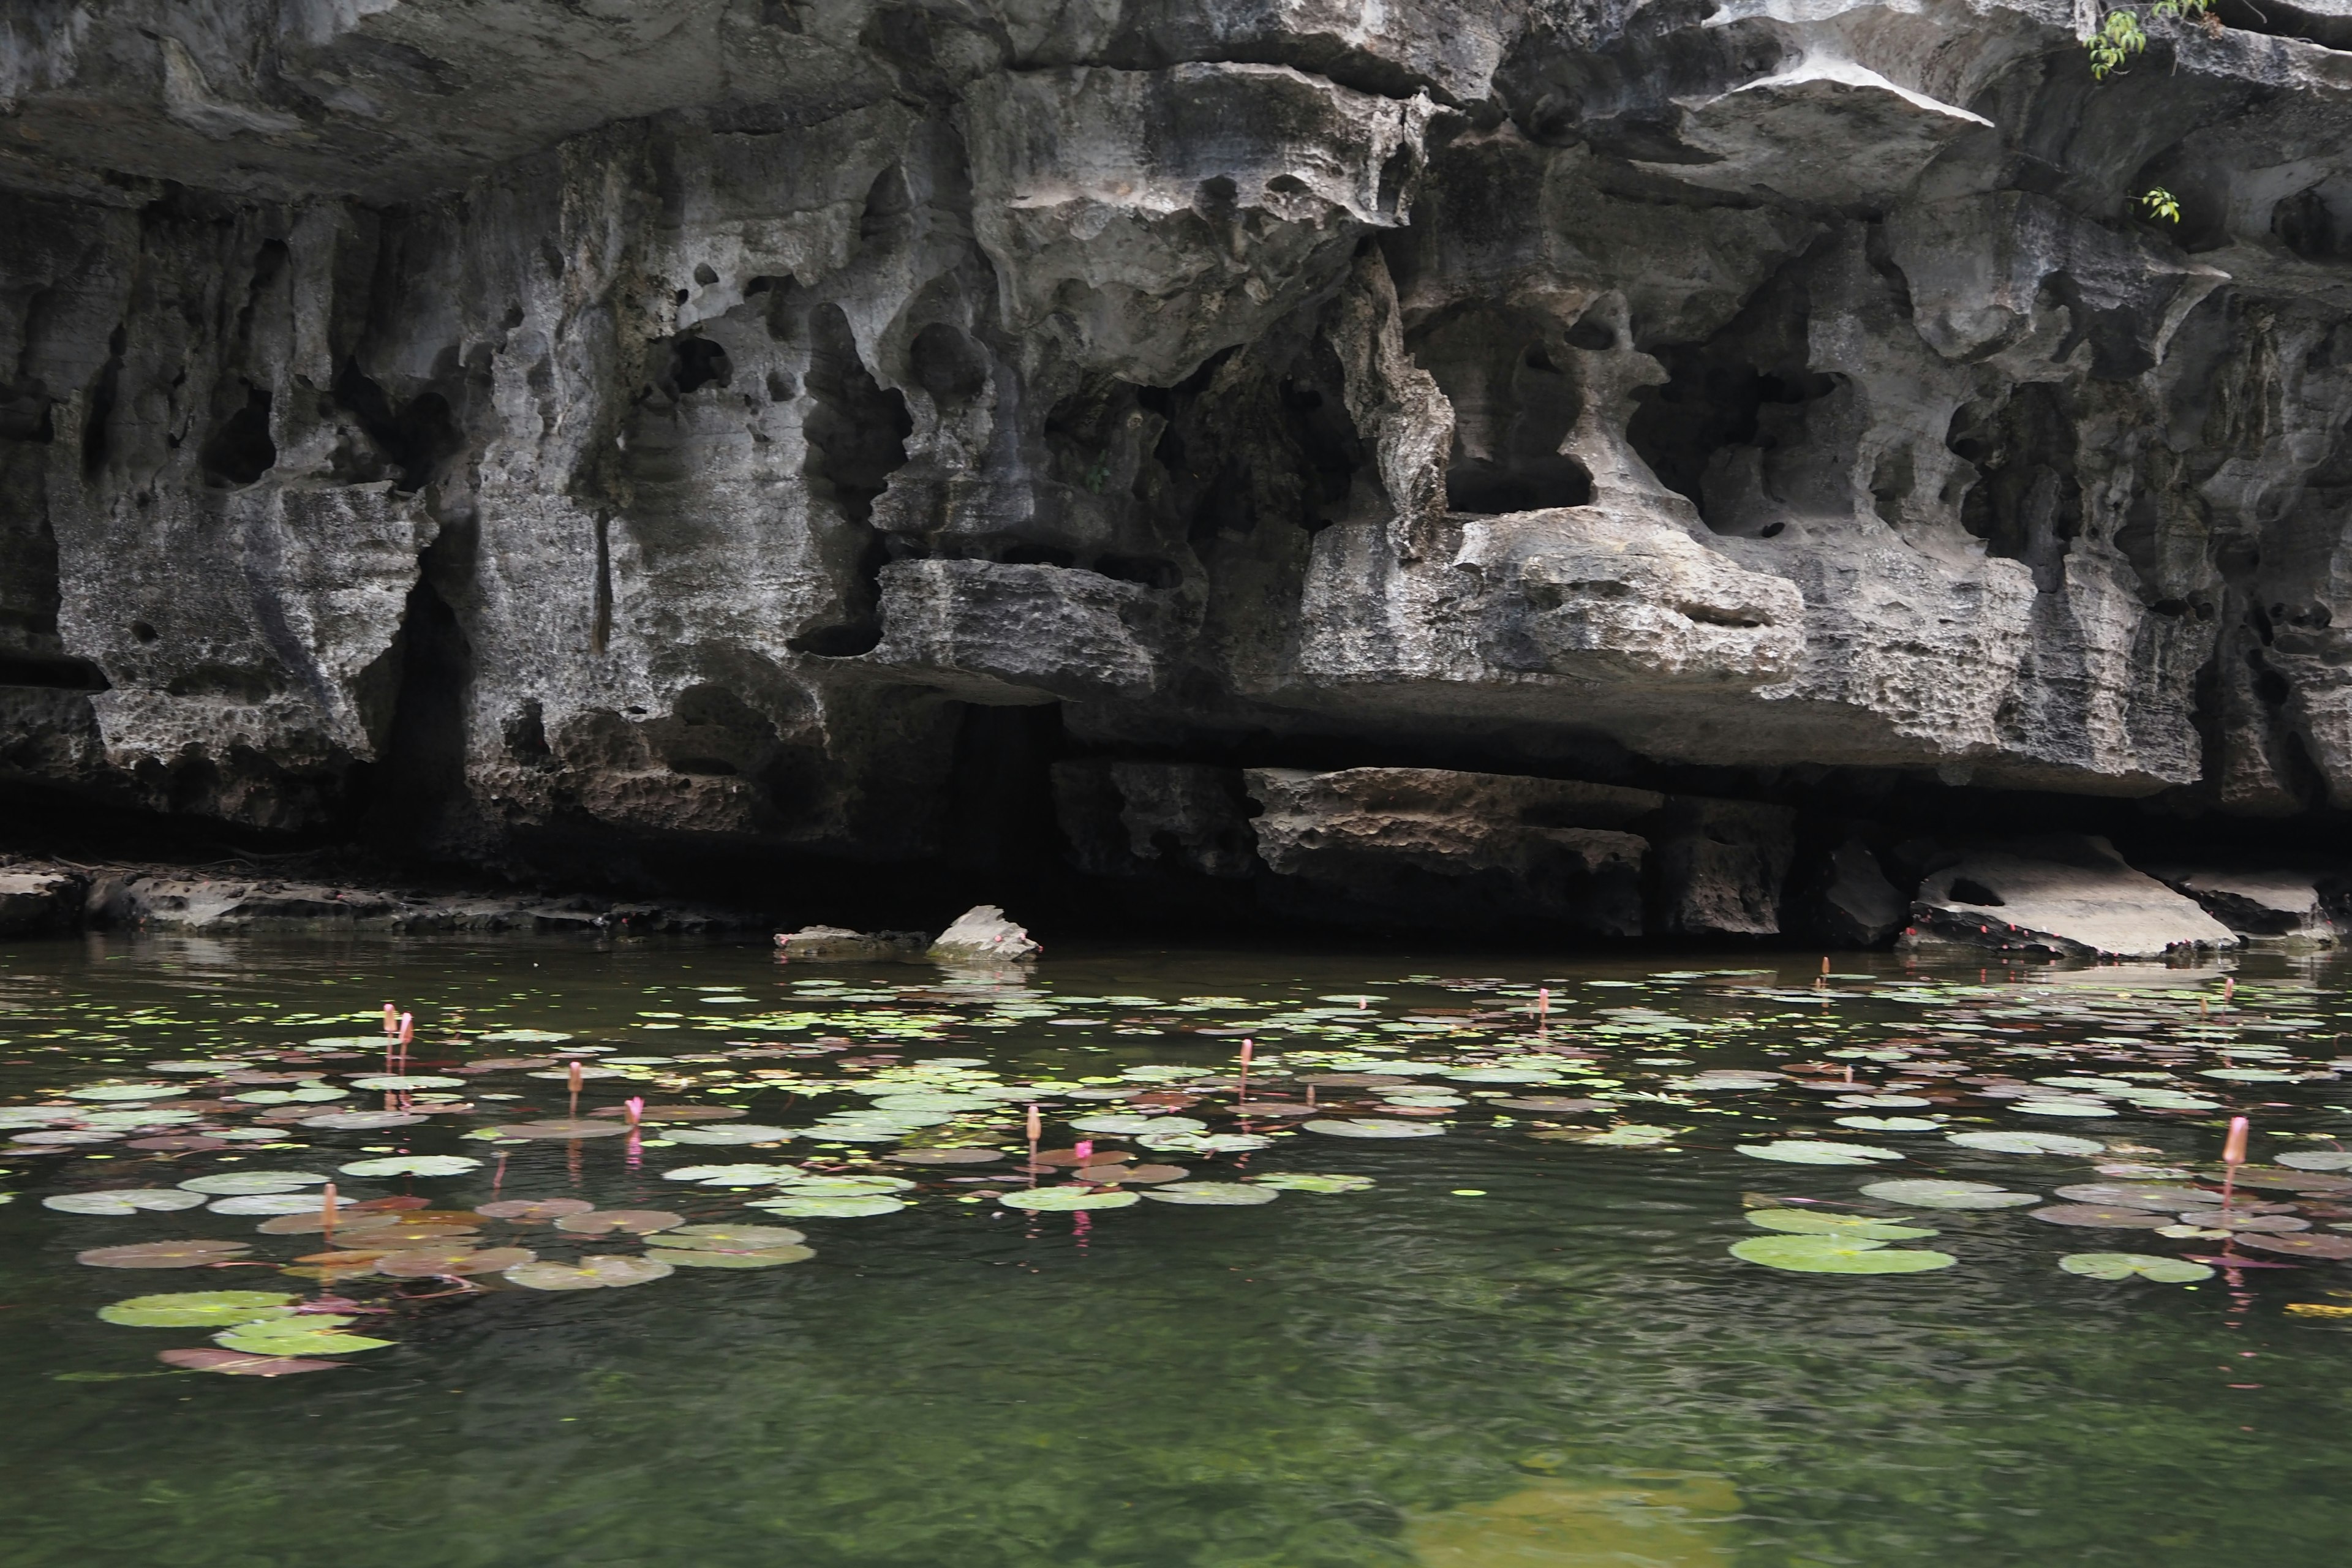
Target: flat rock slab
<point>2088,905</point>
<point>2256,903</point>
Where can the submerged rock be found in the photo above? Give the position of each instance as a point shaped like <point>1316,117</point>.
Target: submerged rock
<point>36,904</point>
<point>982,934</point>
<point>2075,898</point>
<point>2261,903</point>
<point>823,944</point>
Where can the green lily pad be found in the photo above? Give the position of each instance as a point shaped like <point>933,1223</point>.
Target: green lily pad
<point>414,1165</point>
<point>542,1036</point>
<point>1204,1143</point>
<point>128,1091</point>
<point>849,1207</point>
<point>607,1272</point>
<point>245,1183</point>
<point>2025,1142</point>
<point>1131,1126</point>
<point>2061,1107</point>
<point>1309,1182</point>
<point>395,1082</point>
<point>731,1237</point>
<point>364,1121</point>
<point>1230,1194</point>
<point>1810,1151</point>
<point>1059,1200</point>
<point>1372,1127</point>
<point>268,1204</point>
<point>1816,1222</point>
<point>733,1175</point>
<point>732,1133</point>
<point>2126,1265</point>
<point>1837,1255</point>
<point>198,1308</point>
<point>2318,1160</point>
<point>196,1253</point>
<point>124,1200</point>
<point>1889,1123</point>
<point>760,1257</point>
<point>1928,1193</point>
<point>286,1337</point>
<point>1631,1135</point>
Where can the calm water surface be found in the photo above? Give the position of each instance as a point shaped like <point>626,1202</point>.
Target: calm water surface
<point>1512,1350</point>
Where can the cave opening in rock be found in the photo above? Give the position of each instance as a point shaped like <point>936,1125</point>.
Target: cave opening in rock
<point>412,440</point>
<point>2027,503</point>
<point>1514,405</point>
<point>239,450</point>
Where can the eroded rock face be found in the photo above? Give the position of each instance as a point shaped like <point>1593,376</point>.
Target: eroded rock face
<point>506,431</point>
<point>2075,899</point>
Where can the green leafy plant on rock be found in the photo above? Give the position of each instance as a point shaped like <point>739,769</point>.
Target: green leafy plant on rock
<point>2119,33</point>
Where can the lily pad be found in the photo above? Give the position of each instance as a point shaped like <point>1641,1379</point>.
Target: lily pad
<point>1060,1200</point>
<point>240,1365</point>
<point>2102,1216</point>
<point>733,1175</point>
<point>397,1082</point>
<point>1230,1194</point>
<point>2062,1108</point>
<point>1837,1255</point>
<point>414,1165</point>
<point>758,1257</point>
<point>2025,1142</point>
<point>1818,1222</point>
<point>626,1222</point>
<point>363,1121</point>
<point>564,1129</point>
<point>733,1133</point>
<point>2308,1245</point>
<point>948,1156</point>
<point>848,1206</point>
<point>532,1209</point>
<point>2166,1199</point>
<point>731,1237</point>
<point>103,1091</point>
<point>454,1260</point>
<point>1932,1194</point>
<point>268,1204</point>
<point>1205,1142</point>
<point>2130,1265</point>
<point>1889,1123</point>
<point>198,1308</point>
<point>1309,1182</point>
<point>600,1273</point>
<point>245,1183</point>
<point>1372,1127</point>
<point>124,1200</point>
<point>297,1336</point>
<point>541,1036</point>
<point>1128,1126</point>
<point>2318,1160</point>
<point>197,1254</point>
<point>1811,1152</point>
<point>1631,1135</point>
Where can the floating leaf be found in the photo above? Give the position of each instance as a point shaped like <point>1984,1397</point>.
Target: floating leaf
<point>128,1091</point>
<point>733,1237</point>
<point>245,1183</point>
<point>2318,1160</point>
<point>850,1207</point>
<point>363,1121</point>
<point>163,1255</point>
<point>268,1204</point>
<point>1631,1135</point>
<point>1230,1194</point>
<point>399,1082</point>
<point>2024,1142</point>
<point>2309,1245</point>
<point>733,1175</point>
<point>2101,1217</point>
<point>1308,1181</point>
<point>2062,1108</point>
<point>1058,1200</point>
<point>541,1036</point>
<point>239,1365</point>
<point>458,1260</point>
<point>1889,1123</point>
<point>1372,1127</point>
<point>1933,1194</point>
<point>950,1156</point>
<point>761,1258</point>
<point>1810,1151</point>
<point>1205,1142</point>
<point>1837,1255</point>
<point>299,1336</point>
<point>734,1132</point>
<point>600,1273</point>
<point>626,1222</point>
<point>198,1308</point>
<point>414,1165</point>
<point>124,1200</point>
<point>534,1208</point>
<point>1817,1222</point>
<point>564,1129</point>
<point>1130,1125</point>
<point>2126,1265</point>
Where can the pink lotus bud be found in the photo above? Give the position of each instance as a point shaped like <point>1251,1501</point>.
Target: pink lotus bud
<point>2234,1148</point>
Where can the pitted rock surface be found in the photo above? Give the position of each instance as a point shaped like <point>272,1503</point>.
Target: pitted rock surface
<point>516,432</point>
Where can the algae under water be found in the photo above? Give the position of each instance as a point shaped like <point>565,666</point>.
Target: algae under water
<point>655,1254</point>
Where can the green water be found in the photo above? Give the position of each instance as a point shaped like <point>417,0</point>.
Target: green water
<point>1567,1368</point>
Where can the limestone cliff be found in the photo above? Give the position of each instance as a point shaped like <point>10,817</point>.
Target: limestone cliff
<point>510,429</point>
